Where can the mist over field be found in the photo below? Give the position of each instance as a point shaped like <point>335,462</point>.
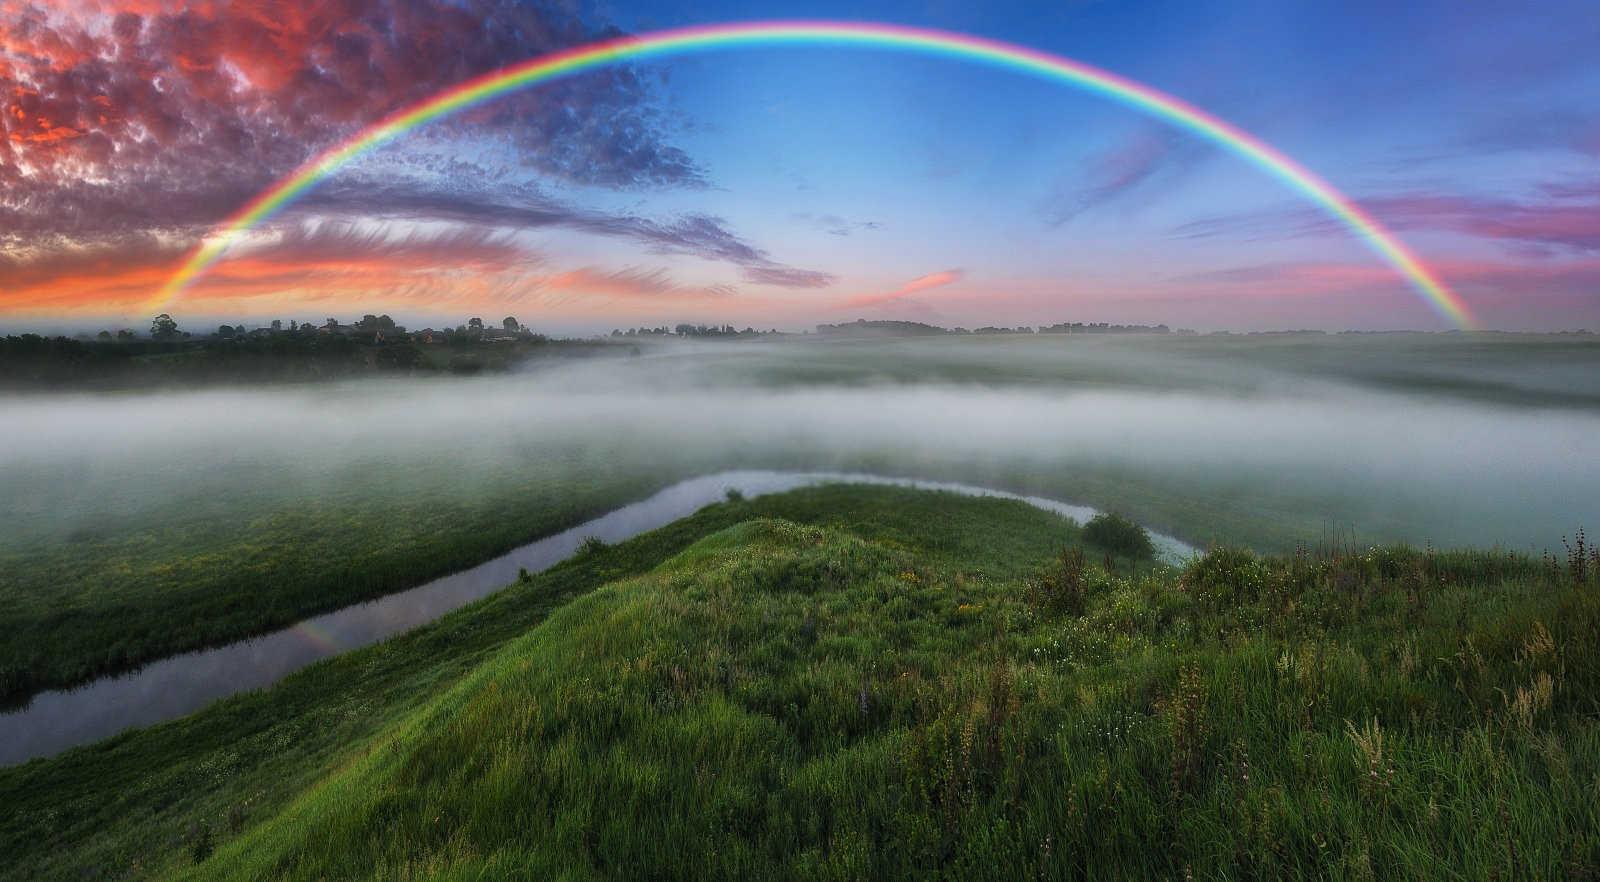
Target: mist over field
<point>1405,438</point>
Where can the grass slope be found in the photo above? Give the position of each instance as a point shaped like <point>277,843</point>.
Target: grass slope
<point>840,701</point>
<point>132,806</point>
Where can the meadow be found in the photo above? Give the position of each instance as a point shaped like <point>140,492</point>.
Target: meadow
<point>848,681</point>
<point>150,521</point>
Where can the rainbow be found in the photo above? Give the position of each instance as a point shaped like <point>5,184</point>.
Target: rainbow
<point>787,33</point>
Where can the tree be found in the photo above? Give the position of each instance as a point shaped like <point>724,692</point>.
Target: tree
<point>1114,533</point>
<point>104,335</point>
<point>125,334</point>
<point>225,332</point>
<point>162,327</point>
<point>277,325</point>
<point>510,323</point>
<point>475,324</point>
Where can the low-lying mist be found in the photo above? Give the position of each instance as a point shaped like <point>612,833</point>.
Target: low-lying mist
<point>1172,437</point>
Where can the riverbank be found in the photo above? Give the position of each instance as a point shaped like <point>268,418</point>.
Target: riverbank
<point>171,687</point>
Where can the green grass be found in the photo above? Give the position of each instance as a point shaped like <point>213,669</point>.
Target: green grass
<point>855,682</point>
<point>131,803</point>
<point>228,564</point>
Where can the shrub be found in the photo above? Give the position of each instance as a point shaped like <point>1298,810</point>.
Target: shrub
<point>1059,589</point>
<point>201,844</point>
<point>734,494</point>
<point>1118,535</point>
<point>591,545</point>
<point>1582,559</point>
<point>1224,574</point>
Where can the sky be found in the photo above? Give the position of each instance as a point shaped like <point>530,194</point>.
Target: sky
<point>785,187</point>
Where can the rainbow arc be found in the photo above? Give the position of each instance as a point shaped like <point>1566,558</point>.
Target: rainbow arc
<point>788,33</point>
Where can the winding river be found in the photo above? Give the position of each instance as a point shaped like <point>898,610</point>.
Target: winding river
<point>175,686</point>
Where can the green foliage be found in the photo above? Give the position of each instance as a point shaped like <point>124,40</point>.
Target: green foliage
<point>1225,575</point>
<point>1116,534</point>
<point>162,327</point>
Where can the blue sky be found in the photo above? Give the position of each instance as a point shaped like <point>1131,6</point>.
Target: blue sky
<point>798,184</point>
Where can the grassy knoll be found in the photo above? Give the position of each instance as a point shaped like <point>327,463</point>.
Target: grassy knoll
<point>784,699</point>
<point>851,682</point>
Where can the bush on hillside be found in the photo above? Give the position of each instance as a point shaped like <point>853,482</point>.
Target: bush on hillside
<point>1118,535</point>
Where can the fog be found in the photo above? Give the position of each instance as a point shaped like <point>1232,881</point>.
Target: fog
<point>1171,429</point>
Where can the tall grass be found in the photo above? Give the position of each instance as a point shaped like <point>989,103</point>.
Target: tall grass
<point>127,807</point>
<point>783,700</point>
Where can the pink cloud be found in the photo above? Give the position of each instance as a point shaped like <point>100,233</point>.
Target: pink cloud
<point>630,282</point>
<point>915,286</point>
<point>138,116</point>
<point>1567,220</point>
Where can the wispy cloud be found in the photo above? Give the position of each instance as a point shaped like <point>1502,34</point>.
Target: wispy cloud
<point>835,225</point>
<point>326,260</point>
<point>1559,224</point>
<point>915,286</point>
<point>1508,293</point>
<point>698,235</point>
<point>630,282</point>
<point>1119,172</point>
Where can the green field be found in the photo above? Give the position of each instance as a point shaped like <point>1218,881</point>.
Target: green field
<point>855,681</point>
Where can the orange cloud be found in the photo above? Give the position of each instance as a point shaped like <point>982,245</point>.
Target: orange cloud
<point>329,265</point>
<point>303,265</point>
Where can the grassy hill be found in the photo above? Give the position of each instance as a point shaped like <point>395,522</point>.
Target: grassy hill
<point>849,682</point>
